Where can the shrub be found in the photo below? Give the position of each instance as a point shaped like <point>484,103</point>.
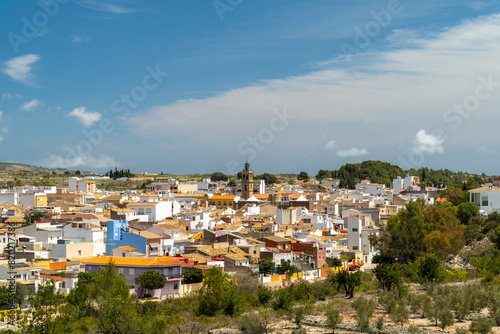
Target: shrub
<point>399,312</point>
<point>333,318</point>
<point>282,300</point>
<point>413,329</point>
<point>264,295</point>
<point>253,323</point>
<point>380,323</point>
<point>481,325</point>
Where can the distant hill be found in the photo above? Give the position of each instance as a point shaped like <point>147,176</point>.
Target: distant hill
<point>17,167</point>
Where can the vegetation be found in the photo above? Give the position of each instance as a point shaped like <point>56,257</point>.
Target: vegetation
<point>194,275</point>
<point>117,174</point>
<point>150,280</point>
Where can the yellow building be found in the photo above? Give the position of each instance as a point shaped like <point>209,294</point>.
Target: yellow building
<point>222,201</point>
<point>40,200</point>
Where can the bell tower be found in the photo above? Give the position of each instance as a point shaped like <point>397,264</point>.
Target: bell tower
<point>246,182</point>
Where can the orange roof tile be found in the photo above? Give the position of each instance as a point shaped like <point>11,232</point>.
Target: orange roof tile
<point>136,261</point>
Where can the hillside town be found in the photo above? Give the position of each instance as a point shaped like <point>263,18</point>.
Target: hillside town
<point>173,227</point>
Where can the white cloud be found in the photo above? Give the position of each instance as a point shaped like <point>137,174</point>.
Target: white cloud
<point>427,143</point>
<point>28,106</point>
<point>106,6</point>
<point>1,114</point>
<point>330,145</point>
<point>9,96</point>
<point>86,117</point>
<point>480,5</point>
<point>377,100</point>
<point>80,39</point>
<point>1,138</point>
<point>57,161</point>
<point>352,152</point>
<point>19,68</point>
<point>43,32</point>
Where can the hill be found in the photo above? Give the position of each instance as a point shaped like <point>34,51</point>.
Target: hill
<point>18,167</point>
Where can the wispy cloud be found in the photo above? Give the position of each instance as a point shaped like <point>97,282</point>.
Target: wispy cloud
<point>87,118</point>
<point>480,5</point>
<point>330,145</point>
<point>29,106</point>
<point>9,96</point>
<point>427,143</point>
<point>80,38</point>
<point>378,91</point>
<point>43,32</point>
<point>106,6</point>
<point>57,161</point>
<point>352,152</point>
<point>19,68</point>
<point>1,114</point>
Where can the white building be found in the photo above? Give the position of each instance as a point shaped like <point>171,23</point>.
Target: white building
<point>155,211</point>
<point>78,232</point>
<point>487,198</point>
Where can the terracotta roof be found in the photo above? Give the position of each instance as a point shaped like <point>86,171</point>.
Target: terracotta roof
<point>134,261</point>
<point>128,248</point>
<point>222,197</point>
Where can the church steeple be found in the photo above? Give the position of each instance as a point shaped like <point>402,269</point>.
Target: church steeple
<point>246,182</point>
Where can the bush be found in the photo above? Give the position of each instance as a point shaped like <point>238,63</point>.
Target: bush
<point>413,329</point>
<point>264,295</point>
<point>380,323</point>
<point>253,323</point>
<point>461,330</point>
<point>282,300</point>
<point>399,312</point>
<point>333,317</point>
<point>481,325</point>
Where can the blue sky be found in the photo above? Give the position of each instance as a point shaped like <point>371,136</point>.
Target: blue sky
<point>290,85</point>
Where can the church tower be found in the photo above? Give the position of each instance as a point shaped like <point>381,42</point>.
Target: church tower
<point>246,182</point>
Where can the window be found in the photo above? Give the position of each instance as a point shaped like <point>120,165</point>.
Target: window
<point>174,271</point>
<point>141,211</point>
<point>176,286</point>
<point>484,200</point>
<point>123,254</point>
<point>148,210</point>
<point>355,247</point>
<point>121,271</point>
<point>64,285</point>
<point>165,272</point>
<point>354,229</point>
<point>131,271</point>
<point>79,253</point>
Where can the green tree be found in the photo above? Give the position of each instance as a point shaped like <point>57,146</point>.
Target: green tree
<point>402,238</point>
<point>466,211</point>
<point>428,268</point>
<point>32,216</point>
<point>333,317</point>
<point>78,172</point>
<point>303,176</point>
<point>387,275</point>
<point>348,281</point>
<point>218,294</point>
<point>194,275</point>
<point>150,280</point>
<point>399,312</point>
<point>218,176</point>
<point>482,325</point>
<point>323,174</point>
<point>45,305</point>
<point>266,266</point>
<point>455,195</point>
<point>268,178</point>
<point>110,300</point>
